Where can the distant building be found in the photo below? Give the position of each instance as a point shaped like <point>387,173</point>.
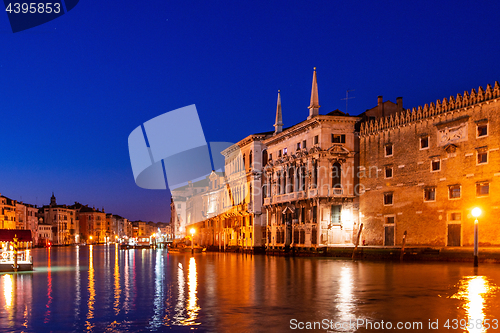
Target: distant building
<point>64,219</point>
<point>45,234</point>
<point>92,223</point>
<point>7,213</point>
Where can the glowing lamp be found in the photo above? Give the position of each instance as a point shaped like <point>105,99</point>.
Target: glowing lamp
<point>476,212</point>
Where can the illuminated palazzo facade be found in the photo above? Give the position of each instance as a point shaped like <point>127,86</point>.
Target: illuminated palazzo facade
<point>423,170</point>
<point>389,172</point>
<point>310,180</point>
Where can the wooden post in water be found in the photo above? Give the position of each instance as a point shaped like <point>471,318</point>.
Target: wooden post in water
<point>357,241</point>
<point>403,247</point>
<point>14,244</point>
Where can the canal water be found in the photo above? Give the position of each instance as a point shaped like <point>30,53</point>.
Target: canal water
<point>105,289</point>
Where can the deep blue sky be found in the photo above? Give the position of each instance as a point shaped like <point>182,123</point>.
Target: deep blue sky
<point>73,89</point>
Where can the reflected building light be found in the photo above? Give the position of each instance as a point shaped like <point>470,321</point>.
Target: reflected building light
<point>49,288</point>
<point>117,289</point>
<point>179,307</point>
<point>91,289</point>
<point>159,299</point>
<point>8,291</point>
<point>192,307</point>
<point>126,307</point>
<point>346,304</point>
<point>77,285</point>
<point>473,291</point>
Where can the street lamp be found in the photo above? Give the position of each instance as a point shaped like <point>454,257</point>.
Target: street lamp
<point>476,212</point>
<point>192,240</point>
<point>90,238</point>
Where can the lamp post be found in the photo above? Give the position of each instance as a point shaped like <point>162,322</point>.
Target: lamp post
<point>192,240</point>
<point>476,212</point>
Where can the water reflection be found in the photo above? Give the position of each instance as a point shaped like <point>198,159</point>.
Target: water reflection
<point>179,307</point>
<point>77,284</point>
<point>192,308</point>
<point>186,312</point>
<point>91,289</point>
<point>117,289</point>
<point>49,288</point>
<point>159,298</point>
<point>8,291</point>
<point>345,298</point>
<point>474,291</point>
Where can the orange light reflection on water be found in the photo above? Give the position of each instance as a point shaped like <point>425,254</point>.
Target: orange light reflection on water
<point>91,289</point>
<point>474,292</point>
<point>49,288</point>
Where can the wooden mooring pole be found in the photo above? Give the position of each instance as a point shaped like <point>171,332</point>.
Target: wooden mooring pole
<point>403,247</point>
<point>357,241</point>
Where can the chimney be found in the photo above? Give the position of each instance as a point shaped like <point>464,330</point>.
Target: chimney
<point>399,102</point>
<point>380,105</point>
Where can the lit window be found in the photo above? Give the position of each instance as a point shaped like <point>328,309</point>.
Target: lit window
<point>482,130</point>
<point>388,172</point>
<point>436,165</point>
<point>482,157</point>
<point>285,151</point>
<point>482,189</point>
<point>388,198</point>
<point>430,194</point>
<point>454,191</point>
<point>424,143</point>
<point>388,150</point>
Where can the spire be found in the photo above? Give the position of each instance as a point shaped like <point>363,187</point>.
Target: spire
<point>278,126</point>
<point>314,107</point>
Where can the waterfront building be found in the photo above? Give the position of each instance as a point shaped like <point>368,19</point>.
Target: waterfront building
<point>26,218</point>
<point>423,170</point>
<point>7,213</point>
<point>64,219</point>
<point>178,205</point>
<point>45,234</point>
<point>92,223</point>
<point>310,180</point>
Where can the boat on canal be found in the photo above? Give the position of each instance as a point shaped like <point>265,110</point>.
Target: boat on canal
<point>15,250</point>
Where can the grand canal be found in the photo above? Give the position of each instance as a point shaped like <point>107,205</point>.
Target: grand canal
<point>102,288</point>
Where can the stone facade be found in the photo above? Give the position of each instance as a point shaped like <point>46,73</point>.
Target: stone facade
<point>310,180</point>
<point>423,170</point>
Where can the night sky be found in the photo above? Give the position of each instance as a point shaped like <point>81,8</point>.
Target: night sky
<point>73,89</point>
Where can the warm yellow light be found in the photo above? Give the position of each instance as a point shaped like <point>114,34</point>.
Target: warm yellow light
<point>90,237</point>
<point>192,231</point>
<point>476,212</point>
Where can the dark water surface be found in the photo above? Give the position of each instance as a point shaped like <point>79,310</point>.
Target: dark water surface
<point>104,289</point>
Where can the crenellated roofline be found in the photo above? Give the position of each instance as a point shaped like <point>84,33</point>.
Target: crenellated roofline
<point>409,116</point>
